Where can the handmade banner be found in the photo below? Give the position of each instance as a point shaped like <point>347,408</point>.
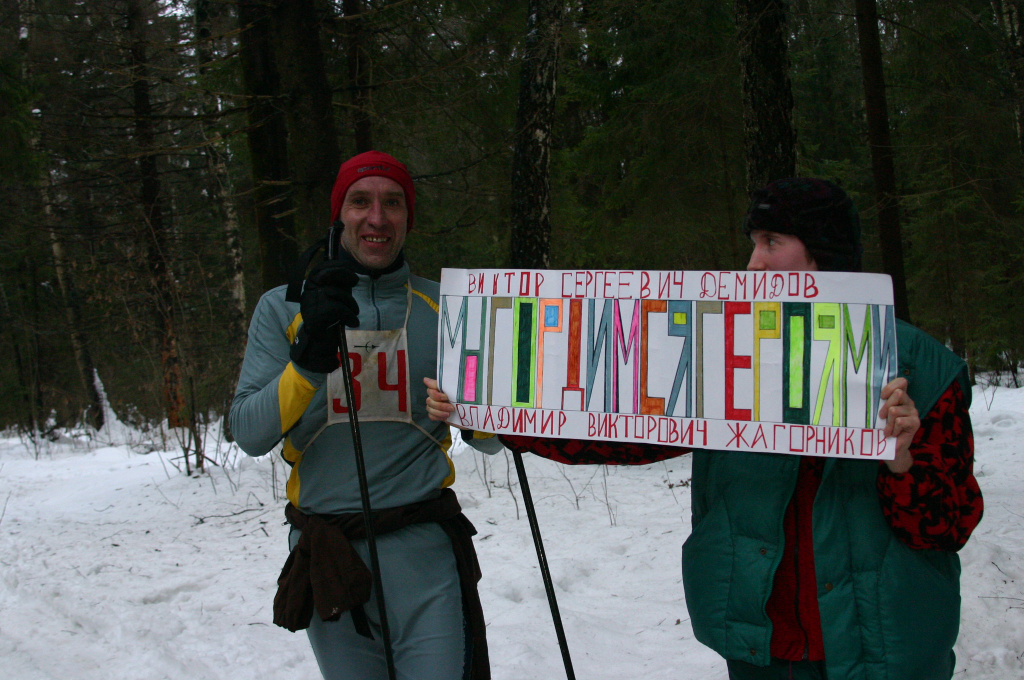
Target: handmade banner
<point>783,362</point>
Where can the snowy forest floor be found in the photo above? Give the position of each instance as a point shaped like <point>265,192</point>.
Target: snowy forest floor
<point>114,564</point>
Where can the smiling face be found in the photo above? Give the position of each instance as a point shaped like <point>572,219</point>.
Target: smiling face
<point>376,218</point>
<point>779,253</point>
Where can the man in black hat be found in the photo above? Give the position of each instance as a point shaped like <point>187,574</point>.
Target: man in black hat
<point>805,567</point>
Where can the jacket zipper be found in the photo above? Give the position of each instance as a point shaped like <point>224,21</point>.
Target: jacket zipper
<point>797,512</point>
<point>782,521</point>
<point>373,301</point>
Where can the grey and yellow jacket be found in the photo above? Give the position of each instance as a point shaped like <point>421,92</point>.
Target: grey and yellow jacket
<point>275,399</point>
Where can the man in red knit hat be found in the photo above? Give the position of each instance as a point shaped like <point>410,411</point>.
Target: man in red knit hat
<point>290,389</point>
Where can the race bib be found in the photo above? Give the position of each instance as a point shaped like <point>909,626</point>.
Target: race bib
<point>380,378</point>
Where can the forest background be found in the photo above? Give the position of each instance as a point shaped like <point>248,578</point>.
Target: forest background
<point>163,163</point>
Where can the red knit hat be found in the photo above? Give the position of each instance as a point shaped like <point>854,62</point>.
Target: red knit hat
<point>372,164</point>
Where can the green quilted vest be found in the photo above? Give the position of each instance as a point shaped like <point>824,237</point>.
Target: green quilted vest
<point>887,612</point>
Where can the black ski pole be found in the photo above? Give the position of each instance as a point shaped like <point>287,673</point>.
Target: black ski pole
<point>364,491</point>
<point>538,543</point>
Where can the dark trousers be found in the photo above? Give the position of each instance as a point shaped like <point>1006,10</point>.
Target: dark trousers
<point>778,670</point>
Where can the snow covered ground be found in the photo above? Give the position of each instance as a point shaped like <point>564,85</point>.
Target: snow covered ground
<point>116,565</point>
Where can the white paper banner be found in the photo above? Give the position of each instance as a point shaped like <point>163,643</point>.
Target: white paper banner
<point>784,362</point>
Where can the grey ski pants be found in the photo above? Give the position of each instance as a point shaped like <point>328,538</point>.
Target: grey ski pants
<point>424,610</point>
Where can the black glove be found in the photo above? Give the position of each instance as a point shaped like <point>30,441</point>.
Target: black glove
<point>326,303</point>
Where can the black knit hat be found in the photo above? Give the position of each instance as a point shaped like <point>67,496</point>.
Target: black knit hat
<point>817,212</point>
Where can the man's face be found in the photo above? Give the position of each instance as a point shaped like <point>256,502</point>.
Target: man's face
<point>779,253</point>
<point>376,220</point>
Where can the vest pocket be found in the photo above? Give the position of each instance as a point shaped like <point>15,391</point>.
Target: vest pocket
<point>919,605</point>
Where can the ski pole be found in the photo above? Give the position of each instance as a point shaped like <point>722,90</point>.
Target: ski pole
<point>542,559</point>
<point>364,491</point>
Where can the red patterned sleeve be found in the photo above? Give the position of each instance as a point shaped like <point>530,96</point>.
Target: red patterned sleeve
<point>582,452</point>
<point>937,503</point>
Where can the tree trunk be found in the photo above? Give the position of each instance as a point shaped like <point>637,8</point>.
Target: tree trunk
<point>769,139</point>
<point>1008,15</point>
<point>306,95</point>
<point>154,231</point>
<point>357,55</point>
<point>221,191</point>
<point>219,182</point>
<point>94,413</point>
<point>882,165</point>
<point>26,368</point>
<point>73,313</point>
<point>267,136</point>
<point>531,155</point>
